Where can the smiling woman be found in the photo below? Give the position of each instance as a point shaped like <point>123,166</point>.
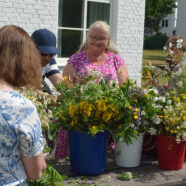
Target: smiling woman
<point>97,53</point>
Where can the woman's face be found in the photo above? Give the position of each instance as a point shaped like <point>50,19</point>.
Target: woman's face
<point>98,40</point>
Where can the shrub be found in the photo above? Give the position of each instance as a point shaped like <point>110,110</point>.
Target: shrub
<point>155,41</point>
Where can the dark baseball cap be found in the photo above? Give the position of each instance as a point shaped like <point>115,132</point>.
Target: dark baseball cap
<point>45,41</point>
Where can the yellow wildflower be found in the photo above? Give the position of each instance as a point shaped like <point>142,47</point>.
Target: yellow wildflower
<point>120,126</point>
<point>149,74</point>
<point>167,128</point>
<point>93,127</point>
<point>130,108</point>
<point>63,118</point>
<point>172,131</point>
<point>147,95</point>
<point>184,118</point>
<point>72,123</point>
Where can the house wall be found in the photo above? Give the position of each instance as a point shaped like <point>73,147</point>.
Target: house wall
<point>129,34</point>
<point>181,19</point>
<point>30,14</point>
<point>171,24</point>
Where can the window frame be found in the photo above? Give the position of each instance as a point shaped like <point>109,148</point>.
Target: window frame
<point>63,60</point>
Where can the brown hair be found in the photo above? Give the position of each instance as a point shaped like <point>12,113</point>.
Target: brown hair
<point>20,63</point>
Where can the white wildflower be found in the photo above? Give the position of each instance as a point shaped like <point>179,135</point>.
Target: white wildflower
<point>152,131</point>
<point>179,45</point>
<point>169,102</point>
<point>179,41</point>
<point>131,125</point>
<point>164,48</point>
<point>155,99</point>
<point>170,52</point>
<point>142,112</point>
<point>179,83</point>
<point>170,45</point>
<point>162,99</point>
<point>156,120</point>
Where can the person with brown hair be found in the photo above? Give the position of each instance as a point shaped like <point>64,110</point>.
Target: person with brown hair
<point>21,140</point>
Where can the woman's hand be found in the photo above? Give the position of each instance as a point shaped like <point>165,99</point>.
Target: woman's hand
<point>34,166</point>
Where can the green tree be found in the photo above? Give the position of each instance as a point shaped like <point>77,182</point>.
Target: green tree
<point>155,11</point>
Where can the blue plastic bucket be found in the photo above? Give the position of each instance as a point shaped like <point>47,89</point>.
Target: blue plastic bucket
<point>87,153</point>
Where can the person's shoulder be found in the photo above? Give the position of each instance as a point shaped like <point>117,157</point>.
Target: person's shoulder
<point>78,54</point>
<point>114,55</point>
<point>76,57</point>
<point>52,61</point>
<point>15,104</point>
<point>22,100</point>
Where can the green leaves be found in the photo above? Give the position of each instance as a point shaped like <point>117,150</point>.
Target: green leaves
<point>127,176</point>
<point>50,177</point>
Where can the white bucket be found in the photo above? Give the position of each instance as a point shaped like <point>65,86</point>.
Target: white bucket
<point>129,155</point>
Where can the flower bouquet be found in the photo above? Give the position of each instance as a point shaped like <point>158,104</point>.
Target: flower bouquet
<point>169,121</point>
<point>173,48</point>
<point>87,110</point>
<point>135,120</point>
<point>136,112</point>
<point>88,106</point>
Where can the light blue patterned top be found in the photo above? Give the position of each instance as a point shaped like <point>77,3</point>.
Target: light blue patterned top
<point>20,132</point>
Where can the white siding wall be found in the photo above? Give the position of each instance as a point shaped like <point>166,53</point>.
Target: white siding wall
<point>181,18</point>
<point>171,25</point>
<point>30,14</point>
<point>130,23</point>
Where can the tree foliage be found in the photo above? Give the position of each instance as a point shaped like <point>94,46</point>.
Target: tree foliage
<point>155,11</point>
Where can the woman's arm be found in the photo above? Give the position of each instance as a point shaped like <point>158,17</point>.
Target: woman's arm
<point>56,79</point>
<point>122,74</point>
<point>34,166</point>
<point>69,71</point>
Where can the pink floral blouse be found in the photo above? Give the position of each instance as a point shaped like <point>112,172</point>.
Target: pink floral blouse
<point>83,66</point>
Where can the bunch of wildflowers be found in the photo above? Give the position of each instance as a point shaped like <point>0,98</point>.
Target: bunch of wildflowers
<point>137,113</point>
<point>170,120</point>
<point>173,48</point>
<point>88,105</point>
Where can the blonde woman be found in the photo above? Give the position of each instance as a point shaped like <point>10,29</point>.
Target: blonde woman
<point>97,53</point>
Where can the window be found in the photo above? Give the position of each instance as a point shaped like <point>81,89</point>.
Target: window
<point>165,23</point>
<point>74,19</point>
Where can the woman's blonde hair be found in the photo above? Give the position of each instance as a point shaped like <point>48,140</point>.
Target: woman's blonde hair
<point>100,24</point>
<point>19,58</point>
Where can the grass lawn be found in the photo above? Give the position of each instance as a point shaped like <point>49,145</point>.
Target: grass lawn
<point>156,57</point>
